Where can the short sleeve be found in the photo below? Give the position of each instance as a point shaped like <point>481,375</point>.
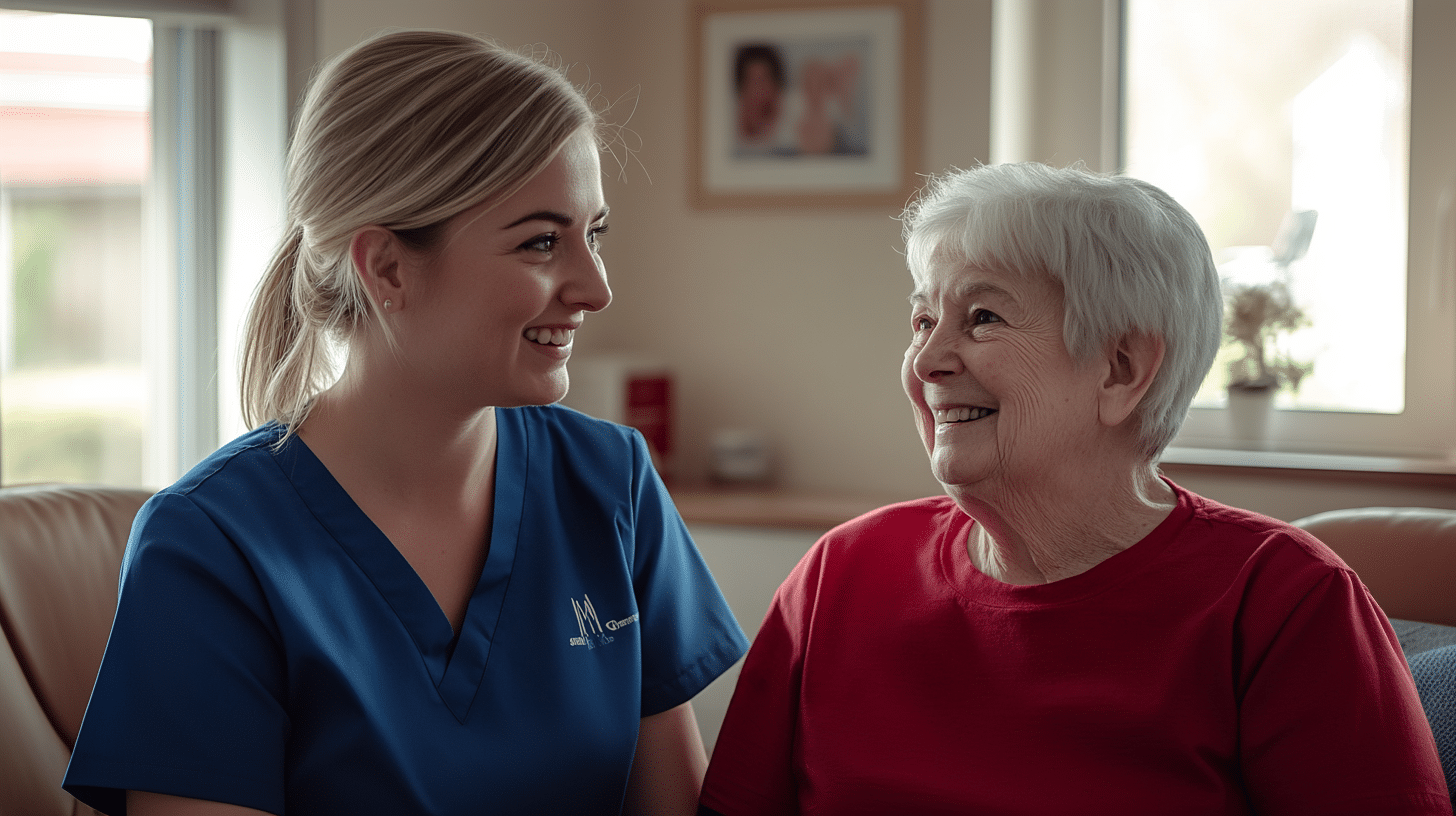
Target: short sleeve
<point>689,634</point>
<point>1330,721</point>
<point>188,700</point>
<point>752,770</point>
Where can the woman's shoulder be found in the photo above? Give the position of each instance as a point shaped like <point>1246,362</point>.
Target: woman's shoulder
<point>563,422</point>
<point>573,440</point>
<point>889,546</point>
<point>931,512</point>
<point>246,452</point>
<point>241,480</point>
<point>1255,536</point>
<point>893,531</point>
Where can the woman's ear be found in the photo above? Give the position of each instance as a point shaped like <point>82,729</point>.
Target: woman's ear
<point>379,261</point>
<point>1132,363</point>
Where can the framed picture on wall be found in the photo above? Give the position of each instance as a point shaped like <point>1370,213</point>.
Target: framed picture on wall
<point>802,103</point>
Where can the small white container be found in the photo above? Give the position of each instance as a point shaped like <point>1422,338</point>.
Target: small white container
<point>1249,412</point>
<point>740,456</point>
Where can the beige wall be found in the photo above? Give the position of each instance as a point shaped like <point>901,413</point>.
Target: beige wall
<point>788,321</point>
<point>793,321</point>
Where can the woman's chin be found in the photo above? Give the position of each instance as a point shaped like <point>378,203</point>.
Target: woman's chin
<point>544,393</point>
<point>953,471</point>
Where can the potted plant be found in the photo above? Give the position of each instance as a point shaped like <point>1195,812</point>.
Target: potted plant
<point>1259,315</point>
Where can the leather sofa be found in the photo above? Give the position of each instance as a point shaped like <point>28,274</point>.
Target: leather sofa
<point>60,554</point>
<point>61,549</point>
<point>1406,556</point>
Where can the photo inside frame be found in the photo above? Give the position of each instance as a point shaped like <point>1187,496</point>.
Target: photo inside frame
<point>806,101</point>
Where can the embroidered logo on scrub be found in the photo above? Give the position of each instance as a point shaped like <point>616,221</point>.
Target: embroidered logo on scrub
<point>593,631</point>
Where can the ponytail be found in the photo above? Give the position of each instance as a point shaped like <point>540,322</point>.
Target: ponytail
<point>280,346</point>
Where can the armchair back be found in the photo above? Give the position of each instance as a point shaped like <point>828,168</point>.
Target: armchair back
<point>60,556</point>
<point>1405,555</point>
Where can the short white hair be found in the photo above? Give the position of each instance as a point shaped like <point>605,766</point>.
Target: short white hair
<point>1129,258</point>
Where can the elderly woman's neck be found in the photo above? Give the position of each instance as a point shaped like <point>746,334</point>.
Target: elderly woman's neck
<point>1022,541</point>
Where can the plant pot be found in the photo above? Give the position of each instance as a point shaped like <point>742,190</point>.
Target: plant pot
<point>1249,410</point>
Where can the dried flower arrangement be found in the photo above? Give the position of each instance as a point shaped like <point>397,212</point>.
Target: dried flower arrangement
<point>1257,316</point>
<point>1260,314</point>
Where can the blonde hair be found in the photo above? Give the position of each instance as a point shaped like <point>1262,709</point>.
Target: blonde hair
<point>405,130</point>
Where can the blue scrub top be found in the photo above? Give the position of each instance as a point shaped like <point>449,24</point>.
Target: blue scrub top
<point>273,649</point>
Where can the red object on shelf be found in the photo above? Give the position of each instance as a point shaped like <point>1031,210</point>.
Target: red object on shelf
<point>649,410</point>
<point>630,390</point>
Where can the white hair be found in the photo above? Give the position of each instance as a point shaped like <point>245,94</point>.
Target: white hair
<point>1129,259</point>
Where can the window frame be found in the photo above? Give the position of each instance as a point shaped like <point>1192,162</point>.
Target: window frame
<point>225,76</point>
<point>1060,59</point>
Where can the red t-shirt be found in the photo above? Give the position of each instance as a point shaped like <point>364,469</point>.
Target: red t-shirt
<point>1228,663</point>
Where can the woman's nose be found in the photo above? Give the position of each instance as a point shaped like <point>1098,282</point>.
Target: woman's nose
<point>587,290</point>
<point>936,359</point>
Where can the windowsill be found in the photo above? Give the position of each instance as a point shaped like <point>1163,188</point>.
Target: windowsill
<point>766,506</point>
<point>1337,467</point>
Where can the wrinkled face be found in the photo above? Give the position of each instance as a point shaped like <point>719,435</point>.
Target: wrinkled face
<point>998,401</point>
<point>497,308</point>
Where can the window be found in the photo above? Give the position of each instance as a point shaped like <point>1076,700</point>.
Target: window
<point>1247,111</point>
<point>77,379</point>
<point>1059,97</point>
<point>203,210</point>
<point>1387,358</point>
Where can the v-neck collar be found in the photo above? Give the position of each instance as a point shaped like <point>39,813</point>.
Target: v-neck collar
<point>456,674</point>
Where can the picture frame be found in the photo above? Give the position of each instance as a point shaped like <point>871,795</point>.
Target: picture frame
<point>805,103</point>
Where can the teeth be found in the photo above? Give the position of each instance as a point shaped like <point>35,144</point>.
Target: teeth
<point>962,414</point>
<point>549,337</point>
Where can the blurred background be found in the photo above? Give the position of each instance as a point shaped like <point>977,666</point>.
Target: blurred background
<point>140,194</point>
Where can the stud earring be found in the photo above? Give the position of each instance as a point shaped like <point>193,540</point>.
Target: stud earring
<point>387,304</point>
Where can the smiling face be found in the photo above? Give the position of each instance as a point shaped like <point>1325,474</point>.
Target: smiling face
<point>1000,404</point>
<point>494,311</point>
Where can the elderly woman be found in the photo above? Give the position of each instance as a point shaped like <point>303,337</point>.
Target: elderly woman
<point>1067,632</point>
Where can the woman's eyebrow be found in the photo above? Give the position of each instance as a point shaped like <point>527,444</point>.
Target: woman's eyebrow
<point>560,219</point>
<point>977,289</point>
<point>543,215</point>
<point>965,291</point>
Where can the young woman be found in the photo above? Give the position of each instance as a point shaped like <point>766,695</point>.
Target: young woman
<point>418,586</point>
